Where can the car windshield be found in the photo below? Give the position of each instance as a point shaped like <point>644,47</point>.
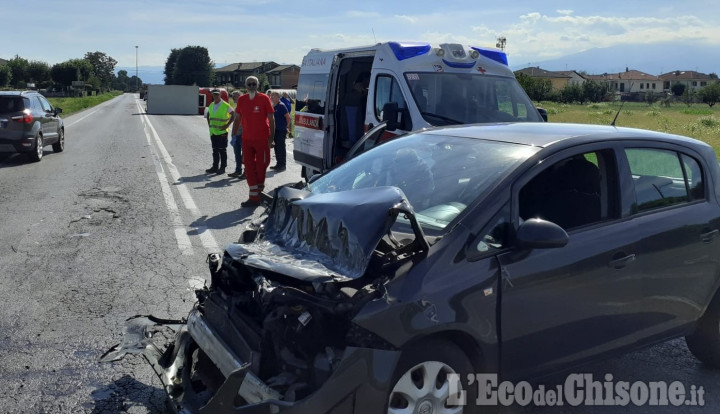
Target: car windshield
<point>440,174</point>
<point>460,98</point>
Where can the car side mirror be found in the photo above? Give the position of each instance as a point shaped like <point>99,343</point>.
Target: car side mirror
<point>543,113</point>
<point>390,115</point>
<point>537,233</point>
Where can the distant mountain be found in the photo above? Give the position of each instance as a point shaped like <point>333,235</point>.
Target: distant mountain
<point>154,75</point>
<point>148,74</point>
<point>654,59</point>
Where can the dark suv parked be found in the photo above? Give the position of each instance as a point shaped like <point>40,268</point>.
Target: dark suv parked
<point>28,122</point>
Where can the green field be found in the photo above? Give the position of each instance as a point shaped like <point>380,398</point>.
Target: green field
<point>695,121</point>
<point>74,105</point>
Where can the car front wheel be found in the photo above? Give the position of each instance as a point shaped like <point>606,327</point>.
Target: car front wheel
<point>704,343</point>
<point>59,146</point>
<point>422,380</point>
<point>38,154</point>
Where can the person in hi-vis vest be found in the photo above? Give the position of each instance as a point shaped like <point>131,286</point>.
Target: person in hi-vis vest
<point>220,115</point>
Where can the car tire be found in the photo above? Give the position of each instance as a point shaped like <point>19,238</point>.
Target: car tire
<point>37,154</point>
<point>59,146</point>
<point>704,342</point>
<point>429,363</point>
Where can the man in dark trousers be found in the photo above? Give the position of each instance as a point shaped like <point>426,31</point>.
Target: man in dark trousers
<point>282,121</point>
<point>236,142</point>
<point>220,115</point>
<point>258,129</point>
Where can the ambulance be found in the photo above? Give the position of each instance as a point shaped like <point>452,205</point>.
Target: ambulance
<point>391,88</point>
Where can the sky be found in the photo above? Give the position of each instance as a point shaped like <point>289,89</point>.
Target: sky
<point>284,31</point>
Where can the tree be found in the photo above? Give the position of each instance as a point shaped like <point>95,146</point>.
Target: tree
<point>170,66</point>
<point>263,82</point>
<point>103,67</point>
<point>5,75</point>
<point>678,89</point>
<point>572,93</point>
<point>688,97</point>
<point>64,73</point>
<point>710,94</point>
<point>193,67</point>
<point>537,89</point>
<point>18,68</point>
<point>71,70</point>
<point>38,72</point>
<point>713,75</point>
<point>595,91</point>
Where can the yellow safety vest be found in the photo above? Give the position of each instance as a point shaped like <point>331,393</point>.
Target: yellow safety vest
<point>218,118</point>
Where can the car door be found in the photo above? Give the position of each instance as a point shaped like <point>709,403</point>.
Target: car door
<point>569,304</point>
<point>678,222</point>
<point>49,120</point>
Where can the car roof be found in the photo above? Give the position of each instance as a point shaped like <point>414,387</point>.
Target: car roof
<point>545,134</point>
<point>16,93</point>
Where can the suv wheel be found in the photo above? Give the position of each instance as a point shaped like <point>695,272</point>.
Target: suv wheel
<point>38,154</point>
<point>59,146</point>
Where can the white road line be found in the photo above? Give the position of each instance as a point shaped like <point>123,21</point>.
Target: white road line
<point>69,125</point>
<point>206,237</point>
<point>183,240</point>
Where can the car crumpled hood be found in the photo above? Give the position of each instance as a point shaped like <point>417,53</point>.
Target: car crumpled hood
<point>322,237</point>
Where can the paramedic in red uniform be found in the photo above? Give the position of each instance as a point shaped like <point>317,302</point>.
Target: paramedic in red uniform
<point>257,117</point>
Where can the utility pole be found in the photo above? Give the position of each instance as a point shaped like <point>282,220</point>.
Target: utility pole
<point>137,80</point>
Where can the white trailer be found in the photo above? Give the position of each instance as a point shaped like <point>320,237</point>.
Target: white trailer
<point>172,100</point>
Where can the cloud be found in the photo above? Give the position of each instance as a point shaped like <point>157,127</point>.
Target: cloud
<point>541,35</point>
<point>408,18</point>
<point>564,12</point>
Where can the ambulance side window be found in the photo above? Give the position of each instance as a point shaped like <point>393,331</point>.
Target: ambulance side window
<point>387,89</point>
<point>311,93</point>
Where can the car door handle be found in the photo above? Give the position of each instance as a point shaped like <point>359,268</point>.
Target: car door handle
<point>621,262</point>
<point>709,236</point>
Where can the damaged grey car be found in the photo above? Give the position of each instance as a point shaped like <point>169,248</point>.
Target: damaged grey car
<point>452,251</point>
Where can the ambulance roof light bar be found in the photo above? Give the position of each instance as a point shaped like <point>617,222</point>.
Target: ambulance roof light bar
<point>493,54</point>
<point>407,50</point>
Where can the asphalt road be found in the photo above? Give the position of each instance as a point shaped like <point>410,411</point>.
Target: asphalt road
<point>119,225</point>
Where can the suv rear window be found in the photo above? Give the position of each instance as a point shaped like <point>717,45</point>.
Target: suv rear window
<point>11,104</point>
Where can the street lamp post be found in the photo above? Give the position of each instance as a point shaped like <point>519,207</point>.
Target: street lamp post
<point>137,80</point>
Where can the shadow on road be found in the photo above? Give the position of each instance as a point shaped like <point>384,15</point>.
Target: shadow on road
<point>229,219</point>
<point>127,392</point>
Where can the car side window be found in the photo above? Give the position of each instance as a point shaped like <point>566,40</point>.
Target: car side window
<point>694,177</point>
<point>44,105</point>
<point>498,235</point>
<point>659,177</point>
<point>573,192</point>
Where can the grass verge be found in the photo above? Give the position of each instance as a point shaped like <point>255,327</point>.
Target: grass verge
<point>75,105</point>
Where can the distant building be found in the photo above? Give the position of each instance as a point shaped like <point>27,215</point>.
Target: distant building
<point>236,73</point>
<point>558,79</point>
<point>284,76</point>
<point>3,61</point>
<point>691,79</point>
<point>630,81</point>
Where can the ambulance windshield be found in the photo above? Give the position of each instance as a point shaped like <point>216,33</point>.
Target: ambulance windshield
<point>460,98</point>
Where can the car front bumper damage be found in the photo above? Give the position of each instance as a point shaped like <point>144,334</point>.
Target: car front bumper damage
<point>358,385</point>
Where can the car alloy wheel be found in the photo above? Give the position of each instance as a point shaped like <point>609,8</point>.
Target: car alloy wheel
<point>38,154</point>
<point>59,146</point>
<point>421,384</point>
<point>423,389</point>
